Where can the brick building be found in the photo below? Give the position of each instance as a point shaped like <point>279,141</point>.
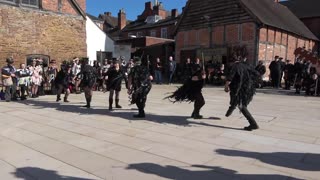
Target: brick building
<point>113,25</point>
<point>154,21</point>
<point>216,27</point>
<point>308,12</point>
<point>54,28</point>
<point>152,33</point>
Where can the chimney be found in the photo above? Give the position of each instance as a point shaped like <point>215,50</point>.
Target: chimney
<point>159,10</point>
<point>174,13</point>
<point>148,5</point>
<point>108,13</point>
<point>122,20</point>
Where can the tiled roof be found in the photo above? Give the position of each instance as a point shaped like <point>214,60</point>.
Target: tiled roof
<point>303,8</point>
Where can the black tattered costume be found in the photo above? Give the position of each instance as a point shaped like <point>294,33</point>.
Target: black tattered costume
<point>191,91</point>
<point>88,78</point>
<point>243,79</point>
<point>62,82</point>
<point>114,81</point>
<point>140,86</point>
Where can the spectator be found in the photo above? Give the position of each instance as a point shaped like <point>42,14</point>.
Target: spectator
<point>36,78</point>
<point>9,80</point>
<point>171,68</point>
<point>23,74</point>
<point>158,71</point>
<point>261,68</point>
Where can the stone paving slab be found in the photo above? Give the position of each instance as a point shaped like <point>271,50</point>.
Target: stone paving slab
<point>42,139</point>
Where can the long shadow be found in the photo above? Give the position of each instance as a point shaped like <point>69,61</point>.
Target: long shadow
<point>281,159</point>
<point>124,114</point>
<point>204,172</point>
<point>281,92</point>
<point>28,173</point>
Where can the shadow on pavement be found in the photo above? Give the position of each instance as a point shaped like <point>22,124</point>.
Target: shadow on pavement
<point>273,158</point>
<point>162,119</point>
<point>282,92</point>
<point>200,172</point>
<point>28,173</point>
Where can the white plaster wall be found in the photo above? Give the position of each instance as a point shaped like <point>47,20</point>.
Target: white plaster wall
<point>97,40</point>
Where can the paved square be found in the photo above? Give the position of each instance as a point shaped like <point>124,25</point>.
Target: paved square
<point>42,139</point>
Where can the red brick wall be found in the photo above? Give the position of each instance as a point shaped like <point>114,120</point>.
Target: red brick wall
<point>51,5</point>
<point>160,12</point>
<point>262,51</point>
<point>301,43</point>
<point>263,34</point>
<point>271,34</point>
<point>180,40</point>
<point>67,8</point>
<point>279,43</point>
<point>30,31</point>
<point>284,39</point>
<point>232,33</point>
<point>218,33</point>
<point>248,31</point>
<point>292,46</point>
<point>231,38</point>
<point>204,37</point>
<point>278,36</point>
<point>192,38</point>
<point>82,4</point>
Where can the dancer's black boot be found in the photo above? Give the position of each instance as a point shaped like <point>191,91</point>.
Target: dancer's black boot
<point>117,104</point>
<point>253,124</point>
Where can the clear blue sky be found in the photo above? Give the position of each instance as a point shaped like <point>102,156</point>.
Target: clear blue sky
<point>133,8</point>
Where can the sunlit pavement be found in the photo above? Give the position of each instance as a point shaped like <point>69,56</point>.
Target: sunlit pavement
<point>42,139</point>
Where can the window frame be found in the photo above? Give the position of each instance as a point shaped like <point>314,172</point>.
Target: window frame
<point>166,33</point>
<point>13,2</point>
<point>153,33</point>
<point>139,34</point>
<point>19,3</point>
<point>29,5</point>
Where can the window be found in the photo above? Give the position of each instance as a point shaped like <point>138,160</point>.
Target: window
<point>131,35</point>
<point>164,33</point>
<point>153,33</point>
<point>139,34</point>
<point>23,2</point>
<point>10,1</point>
<point>30,2</point>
